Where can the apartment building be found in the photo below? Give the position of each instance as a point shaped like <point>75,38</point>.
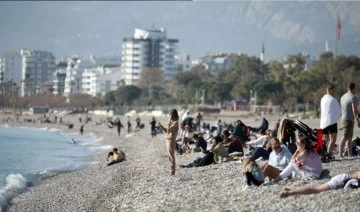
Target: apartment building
<point>91,83</point>
<point>37,67</point>
<point>148,49</point>
<point>10,67</point>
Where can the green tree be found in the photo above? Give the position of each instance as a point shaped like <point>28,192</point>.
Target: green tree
<point>127,94</point>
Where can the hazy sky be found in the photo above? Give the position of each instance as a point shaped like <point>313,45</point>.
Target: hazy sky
<point>80,27</point>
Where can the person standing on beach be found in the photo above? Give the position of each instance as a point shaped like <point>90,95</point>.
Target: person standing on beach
<point>330,114</point>
<point>82,129</point>
<point>129,125</point>
<point>118,125</point>
<point>170,136</point>
<point>349,110</point>
<point>153,126</point>
<point>198,120</point>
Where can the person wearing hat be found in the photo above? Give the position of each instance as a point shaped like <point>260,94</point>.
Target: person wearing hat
<point>330,114</point>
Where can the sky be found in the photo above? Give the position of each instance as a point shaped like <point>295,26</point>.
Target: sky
<point>68,28</point>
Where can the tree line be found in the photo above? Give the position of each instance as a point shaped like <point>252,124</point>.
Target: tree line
<point>285,83</point>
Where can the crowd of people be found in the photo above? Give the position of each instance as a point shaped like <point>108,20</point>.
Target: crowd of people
<point>267,157</point>
<point>264,156</point>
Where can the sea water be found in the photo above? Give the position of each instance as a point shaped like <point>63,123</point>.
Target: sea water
<point>28,155</point>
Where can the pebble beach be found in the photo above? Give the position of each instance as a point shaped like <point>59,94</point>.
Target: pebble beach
<point>143,181</point>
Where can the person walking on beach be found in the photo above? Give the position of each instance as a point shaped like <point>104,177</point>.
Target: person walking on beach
<point>170,136</point>
<point>137,122</point>
<point>349,110</point>
<point>339,181</point>
<point>118,125</point>
<point>82,129</point>
<point>153,126</point>
<point>198,120</point>
<point>330,114</point>
<point>129,125</point>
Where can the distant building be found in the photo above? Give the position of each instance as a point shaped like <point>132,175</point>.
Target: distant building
<point>72,76</point>
<point>99,81</point>
<point>183,61</point>
<point>148,49</point>
<point>216,62</point>
<point>106,61</point>
<point>80,75</point>
<point>37,68</point>
<point>10,67</point>
<point>45,88</point>
<point>110,82</point>
<point>59,78</point>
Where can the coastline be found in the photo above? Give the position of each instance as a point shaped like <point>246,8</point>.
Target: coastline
<point>142,183</point>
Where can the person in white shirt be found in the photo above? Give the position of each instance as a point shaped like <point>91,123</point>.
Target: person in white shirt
<point>259,141</point>
<point>330,114</point>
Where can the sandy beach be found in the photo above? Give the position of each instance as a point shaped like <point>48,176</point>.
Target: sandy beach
<point>143,183</point>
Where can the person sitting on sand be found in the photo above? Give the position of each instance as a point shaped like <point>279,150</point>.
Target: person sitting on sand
<point>265,150</point>
<point>216,154</point>
<point>115,156</point>
<point>339,181</point>
<point>305,161</point>
<point>253,174</point>
<point>279,158</point>
<point>239,131</point>
<point>110,158</point>
<point>200,143</point>
<point>259,141</point>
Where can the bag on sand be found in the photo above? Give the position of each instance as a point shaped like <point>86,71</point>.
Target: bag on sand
<point>270,171</point>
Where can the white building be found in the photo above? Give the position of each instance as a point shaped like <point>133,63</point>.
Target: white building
<point>10,67</point>
<point>91,83</point>
<point>184,62</point>
<point>110,81</point>
<point>106,61</point>
<point>59,78</point>
<point>148,49</point>
<point>216,62</point>
<point>37,67</point>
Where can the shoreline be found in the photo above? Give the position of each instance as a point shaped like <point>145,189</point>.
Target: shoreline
<point>142,183</point>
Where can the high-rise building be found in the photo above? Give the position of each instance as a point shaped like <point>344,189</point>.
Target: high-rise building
<point>10,67</point>
<point>37,67</point>
<point>148,49</point>
<point>59,78</point>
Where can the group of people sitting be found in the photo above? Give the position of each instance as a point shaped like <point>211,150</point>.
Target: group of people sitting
<point>277,163</point>
<point>229,143</point>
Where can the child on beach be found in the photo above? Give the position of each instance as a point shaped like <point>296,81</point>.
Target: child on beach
<point>253,174</point>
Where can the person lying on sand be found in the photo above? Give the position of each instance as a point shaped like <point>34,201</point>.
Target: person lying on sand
<point>216,154</point>
<point>339,181</point>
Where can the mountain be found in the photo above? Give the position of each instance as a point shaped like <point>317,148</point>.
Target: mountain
<point>82,28</point>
